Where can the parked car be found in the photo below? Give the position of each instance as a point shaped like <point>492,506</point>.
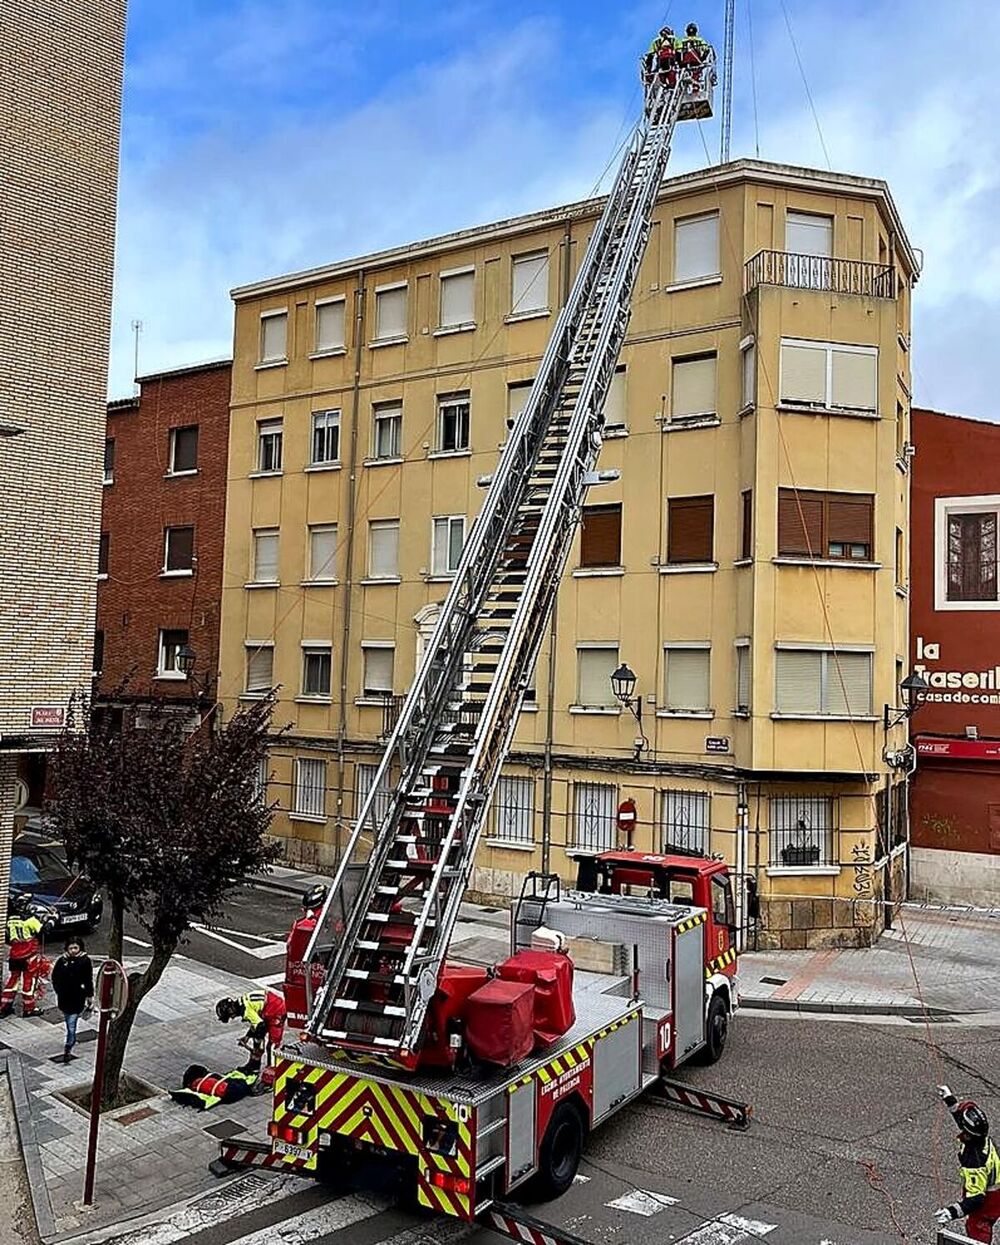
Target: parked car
<point>51,887</point>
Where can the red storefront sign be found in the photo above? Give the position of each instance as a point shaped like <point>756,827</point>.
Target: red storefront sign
<point>958,749</point>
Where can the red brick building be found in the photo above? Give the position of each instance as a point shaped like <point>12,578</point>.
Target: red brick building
<point>163,521</point>
<point>955,634</point>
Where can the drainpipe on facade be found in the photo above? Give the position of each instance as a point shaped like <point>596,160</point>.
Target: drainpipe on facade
<point>742,872</point>
<point>352,472</point>
<point>550,688</point>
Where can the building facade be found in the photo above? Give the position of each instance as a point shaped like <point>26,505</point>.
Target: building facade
<point>60,99</point>
<point>745,564</point>
<point>162,527</point>
<point>955,644</point>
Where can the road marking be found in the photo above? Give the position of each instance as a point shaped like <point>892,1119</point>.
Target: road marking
<point>271,979</point>
<point>312,1224</point>
<point>727,1230</point>
<point>268,951</point>
<point>642,1202</point>
<point>137,941</point>
<point>580,1179</point>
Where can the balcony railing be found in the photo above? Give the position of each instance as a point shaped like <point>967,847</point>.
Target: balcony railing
<point>392,704</point>
<point>820,272</point>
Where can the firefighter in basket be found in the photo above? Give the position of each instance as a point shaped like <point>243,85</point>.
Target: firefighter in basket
<point>264,1012</point>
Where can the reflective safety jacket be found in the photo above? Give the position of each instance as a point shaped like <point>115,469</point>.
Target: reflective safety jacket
<point>208,1091</point>
<point>264,1011</point>
<point>22,934</point>
<point>979,1164</point>
<point>697,45</point>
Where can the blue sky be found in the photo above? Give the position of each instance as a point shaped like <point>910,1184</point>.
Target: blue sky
<point>263,137</point>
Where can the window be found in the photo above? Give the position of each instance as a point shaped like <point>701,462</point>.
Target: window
<point>273,336</point>
<point>972,556</point>
<point>378,661</point>
<point>517,398</point>
<point>171,642</point>
<point>390,313</point>
<point>323,552</point>
<point>835,526</point>
<point>902,432</point>
<point>310,788</point>
<point>325,437</point>
<point>900,561</point>
<point>822,375</point>
<point>823,682</point>
<point>178,550</point>
<point>387,441</point>
<point>458,291</point>
<point>696,248</point>
<point>614,405</point>
<point>184,450</point>
<point>453,423</point>
<point>806,234</point>
<point>103,553</point>
<point>687,685</point>
<point>594,808</point>
<point>966,552</point>
<point>693,387</point>
<point>690,530</point>
<point>595,663</point>
<point>98,665</point>
<point>329,325</point>
<point>601,536</point>
<point>383,549</point>
<point>748,361</point>
<point>364,778</point>
<point>316,670</point>
<point>684,819</point>
<point>109,460</point>
<point>260,668</point>
<point>447,542</point>
<point>744,676</point>
<point>530,283</point>
<point>269,432</point>
<point>260,781</point>
<point>514,810</point>
<point>265,556</point>
<point>746,526</point>
<point>801,830</point>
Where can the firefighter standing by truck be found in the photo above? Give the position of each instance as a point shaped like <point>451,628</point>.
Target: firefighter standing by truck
<point>264,1011</point>
<point>24,960</point>
<point>979,1164</point>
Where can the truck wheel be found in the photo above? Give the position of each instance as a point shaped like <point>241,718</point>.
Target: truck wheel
<point>560,1154</point>
<point>716,1031</point>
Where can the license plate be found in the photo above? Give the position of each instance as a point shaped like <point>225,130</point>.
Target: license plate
<point>76,919</point>
<point>296,1152</point>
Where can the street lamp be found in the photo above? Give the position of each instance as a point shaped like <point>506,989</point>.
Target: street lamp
<point>186,657</point>
<point>623,686</point>
<point>185,661</point>
<point>910,690</point>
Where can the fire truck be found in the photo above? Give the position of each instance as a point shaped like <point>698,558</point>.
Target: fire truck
<point>474,1084</point>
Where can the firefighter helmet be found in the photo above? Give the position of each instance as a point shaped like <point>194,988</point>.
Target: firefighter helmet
<point>228,1009</point>
<point>972,1120</point>
<point>314,897</point>
<point>667,32</point>
<point>692,29</point>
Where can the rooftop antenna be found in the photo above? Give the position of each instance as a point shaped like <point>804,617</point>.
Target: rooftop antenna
<point>727,81</point>
<point>136,331</point>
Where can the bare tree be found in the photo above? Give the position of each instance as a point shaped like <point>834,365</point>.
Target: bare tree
<point>167,821</point>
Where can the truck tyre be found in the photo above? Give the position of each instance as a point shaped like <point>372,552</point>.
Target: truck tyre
<point>716,1030</point>
<point>560,1153</point>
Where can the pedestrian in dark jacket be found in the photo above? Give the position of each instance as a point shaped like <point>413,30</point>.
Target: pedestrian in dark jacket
<point>73,982</point>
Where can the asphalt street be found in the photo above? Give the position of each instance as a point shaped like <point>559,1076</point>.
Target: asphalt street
<point>849,1145</point>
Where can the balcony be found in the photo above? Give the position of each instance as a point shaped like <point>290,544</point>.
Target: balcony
<point>392,705</point>
<point>820,272</point>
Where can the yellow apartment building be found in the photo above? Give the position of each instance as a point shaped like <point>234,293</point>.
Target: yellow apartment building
<point>748,563</point>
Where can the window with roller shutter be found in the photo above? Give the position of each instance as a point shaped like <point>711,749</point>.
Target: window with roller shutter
<point>390,313</point>
<point>696,247</point>
<point>687,679</point>
<point>693,388</point>
<point>601,536</point>
<point>836,526</point>
<point>690,530</point>
<point>820,682</point>
<point>829,376</point>
<point>457,298</point>
<point>746,530</point>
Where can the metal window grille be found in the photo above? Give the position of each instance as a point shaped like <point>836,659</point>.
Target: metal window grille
<point>684,820</point>
<point>260,781</point>
<point>801,830</point>
<point>310,787</point>
<point>594,816</point>
<point>514,810</point>
<point>364,776</point>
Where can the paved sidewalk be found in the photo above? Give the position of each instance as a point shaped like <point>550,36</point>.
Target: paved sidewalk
<point>152,1154</point>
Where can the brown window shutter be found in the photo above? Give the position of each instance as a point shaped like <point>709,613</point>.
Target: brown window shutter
<point>601,538</point>
<point>746,538</point>
<point>690,524</point>
<point>849,519</point>
<point>800,524</point>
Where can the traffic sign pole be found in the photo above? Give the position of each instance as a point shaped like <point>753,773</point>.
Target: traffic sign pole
<point>109,975</point>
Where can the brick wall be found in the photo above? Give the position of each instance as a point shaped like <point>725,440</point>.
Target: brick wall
<point>137,600</point>
<point>60,95</point>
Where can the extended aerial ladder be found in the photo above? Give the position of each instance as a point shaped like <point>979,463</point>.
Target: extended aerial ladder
<point>388,920</point>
